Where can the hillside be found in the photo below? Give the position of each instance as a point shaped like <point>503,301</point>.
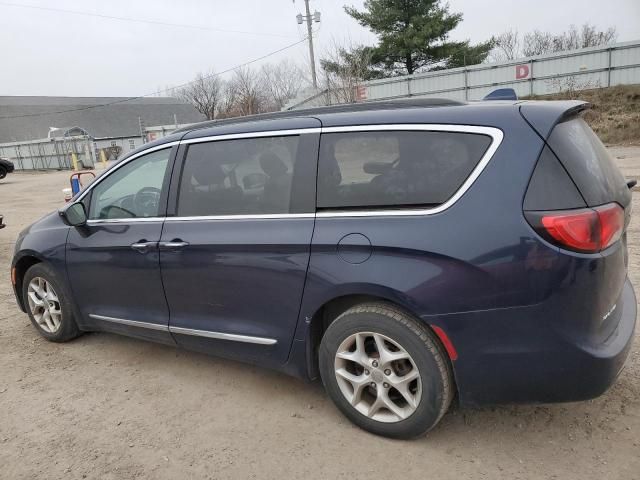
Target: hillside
<point>615,115</point>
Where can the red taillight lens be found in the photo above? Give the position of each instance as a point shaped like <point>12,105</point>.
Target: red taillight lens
<point>611,224</point>
<point>584,230</point>
<point>578,231</point>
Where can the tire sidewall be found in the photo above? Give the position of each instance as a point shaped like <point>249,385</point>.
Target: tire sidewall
<point>3,172</point>
<point>429,410</point>
<point>68,328</point>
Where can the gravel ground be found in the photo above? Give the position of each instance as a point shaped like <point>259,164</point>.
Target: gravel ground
<point>111,407</point>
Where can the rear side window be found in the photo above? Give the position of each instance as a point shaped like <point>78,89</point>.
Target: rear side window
<point>238,177</point>
<point>393,169</point>
<point>588,162</point>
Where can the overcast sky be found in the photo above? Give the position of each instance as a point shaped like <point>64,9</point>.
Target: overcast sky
<point>55,53</point>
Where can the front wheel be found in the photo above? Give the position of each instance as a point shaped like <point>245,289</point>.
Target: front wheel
<point>3,172</point>
<point>47,304</point>
<point>385,371</point>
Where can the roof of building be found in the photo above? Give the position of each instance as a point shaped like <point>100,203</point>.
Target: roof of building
<point>27,118</point>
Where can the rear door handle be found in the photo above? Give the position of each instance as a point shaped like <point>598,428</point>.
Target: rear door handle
<point>143,246</point>
<point>173,245</point>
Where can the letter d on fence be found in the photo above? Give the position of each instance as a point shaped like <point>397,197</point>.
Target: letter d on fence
<point>522,71</point>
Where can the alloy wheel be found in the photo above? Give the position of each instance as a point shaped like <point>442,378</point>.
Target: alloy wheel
<point>378,377</point>
<point>44,305</point>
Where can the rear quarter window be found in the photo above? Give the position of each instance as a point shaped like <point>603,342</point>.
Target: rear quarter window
<point>588,163</point>
<point>395,169</point>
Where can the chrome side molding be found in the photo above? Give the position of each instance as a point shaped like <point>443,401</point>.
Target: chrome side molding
<point>223,336</point>
<point>188,331</point>
<point>131,323</point>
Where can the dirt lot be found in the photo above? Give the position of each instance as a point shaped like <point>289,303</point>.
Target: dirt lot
<point>104,406</point>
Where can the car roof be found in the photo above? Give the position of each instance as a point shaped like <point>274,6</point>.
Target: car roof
<point>496,113</point>
<point>317,112</point>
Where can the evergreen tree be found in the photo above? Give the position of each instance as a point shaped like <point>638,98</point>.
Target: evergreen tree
<point>413,36</point>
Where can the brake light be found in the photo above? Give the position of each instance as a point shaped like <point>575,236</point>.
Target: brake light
<point>611,224</point>
<point>586,230</point>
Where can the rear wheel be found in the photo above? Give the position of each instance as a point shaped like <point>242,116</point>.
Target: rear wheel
<point>47,304</point>
<point>387,373</point>
<point>3,172</point>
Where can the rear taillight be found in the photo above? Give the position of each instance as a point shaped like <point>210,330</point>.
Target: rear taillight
<point>587,230</point>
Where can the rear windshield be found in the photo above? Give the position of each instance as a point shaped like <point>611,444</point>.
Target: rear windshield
<point>393,169</point>
<point>588,162</point>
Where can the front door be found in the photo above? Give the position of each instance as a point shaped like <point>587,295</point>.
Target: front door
<point>235,255</point>
<point>113,261</point>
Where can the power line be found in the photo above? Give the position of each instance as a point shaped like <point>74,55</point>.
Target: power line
<point>138,20</point>
<point>129,99</point>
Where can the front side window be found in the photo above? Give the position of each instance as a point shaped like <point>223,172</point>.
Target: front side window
<point>238,177</point>
<point>132,191</point>
<point>393,169</point>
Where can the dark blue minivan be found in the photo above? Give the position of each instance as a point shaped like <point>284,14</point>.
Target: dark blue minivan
<point>405,252</point>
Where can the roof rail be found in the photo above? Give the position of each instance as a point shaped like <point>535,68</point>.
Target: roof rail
<point>309,112</point>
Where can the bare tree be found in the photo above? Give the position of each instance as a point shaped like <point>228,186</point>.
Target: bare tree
<point>588,36</point>
<point>538,43</point>
<point>571,86</point>
<point>281,81</point>
<point>204,93</point>
<point>344,68</point>
<point>507,46</point>
<point>227,106</point>
<point>249,91</point>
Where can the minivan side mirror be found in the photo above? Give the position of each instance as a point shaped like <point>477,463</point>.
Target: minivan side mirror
<point>73,215</point>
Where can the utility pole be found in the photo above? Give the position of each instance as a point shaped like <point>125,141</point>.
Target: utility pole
<point>310,18</point>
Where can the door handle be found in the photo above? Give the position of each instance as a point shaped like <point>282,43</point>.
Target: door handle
<point>173,245</point>
<point>143,247</point>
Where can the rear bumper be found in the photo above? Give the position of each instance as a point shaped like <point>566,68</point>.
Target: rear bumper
<point>534,364</point>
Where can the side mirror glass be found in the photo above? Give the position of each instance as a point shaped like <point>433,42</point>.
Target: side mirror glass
<point>74,215</point>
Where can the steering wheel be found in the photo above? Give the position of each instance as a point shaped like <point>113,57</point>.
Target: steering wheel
<point>146,201</point>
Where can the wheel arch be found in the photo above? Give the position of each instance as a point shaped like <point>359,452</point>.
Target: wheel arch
<point>19,269</point>
<point>331,309</point>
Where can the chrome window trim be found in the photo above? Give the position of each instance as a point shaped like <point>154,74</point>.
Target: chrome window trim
<point>101,221</point>
<point>130,323</point>
<point>204,218</point>
<point>267,216</point>
<point>265,134</point>
<point>223,336</point>
<point>188,331</point>
<point>495,133</point>
<point>122,164</point>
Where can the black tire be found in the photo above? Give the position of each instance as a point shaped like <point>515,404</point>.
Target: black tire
<point>3,172</point>
<point>417,340</point>
<point>68,328</point>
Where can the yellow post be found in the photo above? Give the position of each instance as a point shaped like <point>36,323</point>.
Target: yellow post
<point>74,161</point>
<point>103,158</point>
